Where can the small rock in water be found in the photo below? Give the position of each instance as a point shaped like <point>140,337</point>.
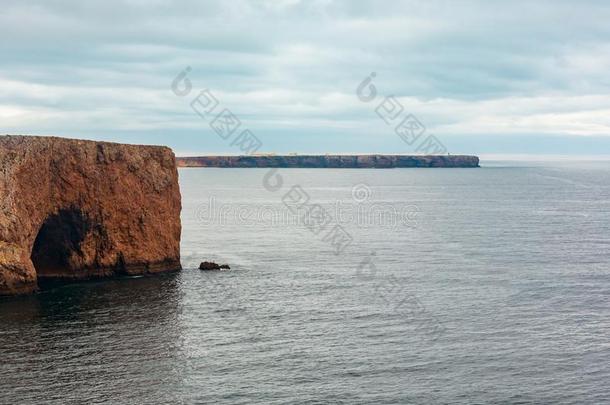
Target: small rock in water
<point>213,266</point>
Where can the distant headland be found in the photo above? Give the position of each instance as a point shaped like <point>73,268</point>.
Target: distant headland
<point>330,161</point>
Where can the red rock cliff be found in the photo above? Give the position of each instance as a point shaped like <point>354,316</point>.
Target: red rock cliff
<point>80,209</point>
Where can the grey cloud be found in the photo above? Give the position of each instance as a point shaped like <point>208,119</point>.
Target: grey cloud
<point>119,57</point>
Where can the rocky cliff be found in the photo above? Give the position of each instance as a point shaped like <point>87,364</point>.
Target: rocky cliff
<point>330,161</point>
<point>80,209</point>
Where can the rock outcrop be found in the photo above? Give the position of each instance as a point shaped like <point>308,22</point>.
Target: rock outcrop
<point>331,161</point>
<point>213,266</point>
<point>79,209</point>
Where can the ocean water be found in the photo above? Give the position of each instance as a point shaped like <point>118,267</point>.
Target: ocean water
<point>404,286</point>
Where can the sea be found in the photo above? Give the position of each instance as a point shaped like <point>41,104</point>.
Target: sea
<point>347,286</point>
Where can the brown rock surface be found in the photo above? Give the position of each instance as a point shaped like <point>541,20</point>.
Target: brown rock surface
<point>81,209</point>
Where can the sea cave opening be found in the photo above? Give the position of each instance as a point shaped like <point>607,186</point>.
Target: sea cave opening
<point>58,243</point>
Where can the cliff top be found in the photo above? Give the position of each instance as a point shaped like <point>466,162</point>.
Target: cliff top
<point>20,138</point>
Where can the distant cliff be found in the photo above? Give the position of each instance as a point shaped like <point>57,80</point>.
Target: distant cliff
<point>330,161</point>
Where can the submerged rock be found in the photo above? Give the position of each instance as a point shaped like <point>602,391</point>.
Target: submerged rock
<point>213,266</point>
<point>74,209</point>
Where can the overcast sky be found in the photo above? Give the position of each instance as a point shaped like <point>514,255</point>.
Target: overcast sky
<point>482,76</point>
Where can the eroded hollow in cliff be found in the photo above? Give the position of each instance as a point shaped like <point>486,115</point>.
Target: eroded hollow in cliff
<point>57,247</point>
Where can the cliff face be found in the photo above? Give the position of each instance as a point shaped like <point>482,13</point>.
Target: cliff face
<point>330,161</point>
<point>80,209</point>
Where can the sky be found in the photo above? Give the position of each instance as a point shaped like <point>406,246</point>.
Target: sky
<point>481,77</point>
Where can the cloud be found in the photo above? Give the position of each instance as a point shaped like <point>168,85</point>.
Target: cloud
<point>463,67</point>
